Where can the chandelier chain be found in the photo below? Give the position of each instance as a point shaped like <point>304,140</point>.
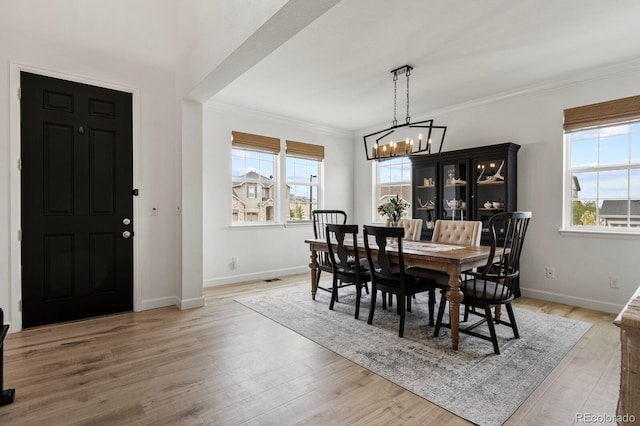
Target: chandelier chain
<point>395,98</point>
<point>408,73</point>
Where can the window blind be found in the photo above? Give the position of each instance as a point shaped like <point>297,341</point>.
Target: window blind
<point>305,150</point>
<point>257,142</point>
<point>602,113</point>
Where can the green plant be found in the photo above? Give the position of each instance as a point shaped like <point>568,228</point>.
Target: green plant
<point>584,213</point>
<point>393,209</point>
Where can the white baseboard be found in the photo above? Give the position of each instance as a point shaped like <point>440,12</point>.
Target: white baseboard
<point>160,302</point>
<point>196,302</point>
<point>264,275</point>
<point>597,305</point>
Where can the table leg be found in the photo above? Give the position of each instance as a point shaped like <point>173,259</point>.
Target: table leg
<point>454,296</point>
<point>314,269</point>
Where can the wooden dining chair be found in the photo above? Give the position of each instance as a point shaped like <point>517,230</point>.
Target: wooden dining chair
<point>412,232</point>
<point>492,285</point>
<point>389,276</point>
<point>347,269</point>
<point>322,218</point>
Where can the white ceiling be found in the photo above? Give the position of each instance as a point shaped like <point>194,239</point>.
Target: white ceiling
<point>336,71</point>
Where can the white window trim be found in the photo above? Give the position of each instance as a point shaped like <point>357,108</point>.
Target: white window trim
<point>277,204</point>
<point>319,185</point>
<point>375,172</point>
<point>567,200</point>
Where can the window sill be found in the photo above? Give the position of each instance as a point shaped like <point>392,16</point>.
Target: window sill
<point>298,223</point>
<point>598,233</point>
<point>246,226</point>
<point>293,224</point>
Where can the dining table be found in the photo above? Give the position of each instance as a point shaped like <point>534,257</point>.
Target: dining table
<point>449,258</point>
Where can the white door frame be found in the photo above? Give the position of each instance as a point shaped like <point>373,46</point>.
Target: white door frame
<point>15,208</point>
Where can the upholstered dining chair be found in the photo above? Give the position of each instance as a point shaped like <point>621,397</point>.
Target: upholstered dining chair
<point>412,228</point>
<point>492,285</point>
<point>387,276</point>
<point>347,269</point>
<point>322,218</point>
<point>462,232</point>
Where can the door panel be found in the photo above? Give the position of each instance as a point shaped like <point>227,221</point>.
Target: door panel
<point>102,173</point>
<point>58,170</point>
<point>58,267</point>
<point>76,188</point>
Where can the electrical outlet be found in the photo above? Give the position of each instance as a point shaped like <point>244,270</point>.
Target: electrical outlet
<point>154,211</point>
<point>614,282</point>
<point>551,273</point>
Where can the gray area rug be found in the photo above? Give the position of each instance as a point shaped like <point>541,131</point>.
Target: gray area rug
<point>472,382</point>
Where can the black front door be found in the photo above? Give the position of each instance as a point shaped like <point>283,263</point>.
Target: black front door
<point>77,208</point>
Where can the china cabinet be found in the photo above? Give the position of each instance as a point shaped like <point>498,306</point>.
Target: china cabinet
<point>466,184</point>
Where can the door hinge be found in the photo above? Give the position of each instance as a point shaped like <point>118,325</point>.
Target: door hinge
<point>20,93</point>
<point>20,305</point>
<point>20,164</point>
<point>19,234</point>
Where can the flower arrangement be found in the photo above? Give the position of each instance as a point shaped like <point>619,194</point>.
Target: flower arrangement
<point>393,209</point>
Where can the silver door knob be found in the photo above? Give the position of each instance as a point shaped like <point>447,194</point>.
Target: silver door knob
<point>126,221</point>
<point>126,234</point>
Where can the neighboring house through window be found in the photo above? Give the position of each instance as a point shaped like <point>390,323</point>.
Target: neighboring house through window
<point>254,178</point>
<point>256,161</point>
<point>602,145</point>
<point>393,178</point>
<point>303,168</point>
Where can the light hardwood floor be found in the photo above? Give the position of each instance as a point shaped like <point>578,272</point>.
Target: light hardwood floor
<point>224,364</point>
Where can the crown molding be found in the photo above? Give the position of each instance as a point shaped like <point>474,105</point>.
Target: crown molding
<point>548,86</point>
<point>222,107</point>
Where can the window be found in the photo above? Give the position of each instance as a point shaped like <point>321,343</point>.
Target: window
<point>303,166</point>
<point>251,190</point>
<point>256,161</point>
<point>393,178</point>
<point>254,178</point>
<point>602,143</point>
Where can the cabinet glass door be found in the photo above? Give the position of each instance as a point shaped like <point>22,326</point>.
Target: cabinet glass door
<point>454,203</point>
<point>490,194</point>
<point>425,195</point>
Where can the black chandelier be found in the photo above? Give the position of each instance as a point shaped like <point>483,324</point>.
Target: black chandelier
<point>403,139</point>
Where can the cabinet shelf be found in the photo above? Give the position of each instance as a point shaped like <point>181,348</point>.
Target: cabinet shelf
<point>454,175</point>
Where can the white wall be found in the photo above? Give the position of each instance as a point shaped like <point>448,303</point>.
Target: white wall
<point>263,251</point>
<point>151,78</point>
<point>160,50</point>
<point>534,120</point>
